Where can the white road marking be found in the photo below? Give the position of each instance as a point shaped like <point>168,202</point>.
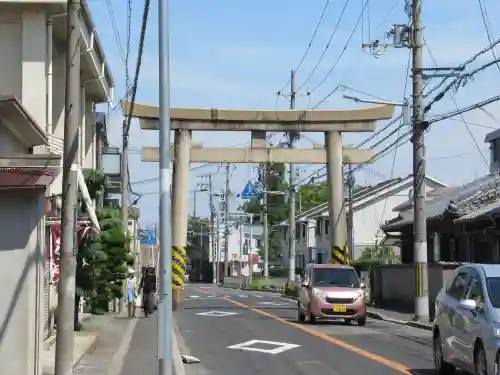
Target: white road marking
<point>217,313</point>
<point>194,296</point>
<point>279,347</point>
<point>273,303</point>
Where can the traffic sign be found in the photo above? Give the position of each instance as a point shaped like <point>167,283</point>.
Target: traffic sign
<point>149,237</point>
<point>249,192</point>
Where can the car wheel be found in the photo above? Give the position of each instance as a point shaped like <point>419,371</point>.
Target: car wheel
<point>312,318</point>
<point>480,365</point>
<point>347,321</point>
<point>442,367</point>
<point>301,317</point>
<point>362,321</point>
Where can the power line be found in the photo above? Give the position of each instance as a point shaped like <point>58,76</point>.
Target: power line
<point>327,46</point>
<point>311,41</point>
<point>342,52</point>
<point>116,33</point>
<point>138,66</point>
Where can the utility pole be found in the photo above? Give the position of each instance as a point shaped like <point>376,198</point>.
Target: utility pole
<point>350,215</point>
<point>226,229</point>
<point>264,214</point>
<point>124,186</point>
<point>165,318</point>
<point>291,202</point>
<point>420,220</point>
<point>217,238</point>
<point>212,240</point>
<point>72,120</point>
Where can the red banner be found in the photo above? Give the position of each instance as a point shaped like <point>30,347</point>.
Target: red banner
<point>55,232</point>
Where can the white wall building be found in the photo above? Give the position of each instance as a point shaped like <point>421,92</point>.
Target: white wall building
<point>33,65</point>
<point>372,206</point>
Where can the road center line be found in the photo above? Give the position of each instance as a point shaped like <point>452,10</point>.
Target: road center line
<point>384,361</point>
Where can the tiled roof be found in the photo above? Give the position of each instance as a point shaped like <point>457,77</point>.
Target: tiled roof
<point>467,198</point>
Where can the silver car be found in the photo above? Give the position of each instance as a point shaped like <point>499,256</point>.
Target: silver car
<point>467,324</point>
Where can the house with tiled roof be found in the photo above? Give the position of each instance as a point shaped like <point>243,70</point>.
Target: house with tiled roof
<point>462,221</point>
<point>372,205</point>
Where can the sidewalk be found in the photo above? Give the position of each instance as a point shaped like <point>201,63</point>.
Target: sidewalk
<point>399,317</point>
<point>96,329</point>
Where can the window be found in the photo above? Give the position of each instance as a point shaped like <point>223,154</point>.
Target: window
<point>336,277</point>
<point>304,230</point>
<point>458,286</point>
<point>475,291</point>
<point>297,231</point>
<point>285,234</point>
<point>493,289</point>
<point>327,226</point>
<point>318,227</point>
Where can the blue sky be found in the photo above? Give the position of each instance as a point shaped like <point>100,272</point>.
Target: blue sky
<point>238,54</point>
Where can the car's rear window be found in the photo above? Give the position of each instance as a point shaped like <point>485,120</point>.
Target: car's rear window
<point>336,277</point>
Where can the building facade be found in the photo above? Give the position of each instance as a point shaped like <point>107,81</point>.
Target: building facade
<point>372,206</point>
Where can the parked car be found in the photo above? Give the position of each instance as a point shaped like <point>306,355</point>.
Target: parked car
<point>330,291</point>
<point>466,331</point>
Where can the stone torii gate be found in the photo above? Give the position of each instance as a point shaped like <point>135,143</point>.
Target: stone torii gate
<point>331,122</point>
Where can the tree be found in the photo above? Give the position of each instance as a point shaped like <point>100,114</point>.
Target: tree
<point>103,258</point>
<point>198,238</point>
<point>377,254</point>
<point>277,206</point>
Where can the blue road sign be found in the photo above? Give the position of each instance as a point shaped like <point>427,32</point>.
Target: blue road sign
<point>148,238</point>
<point>249,192</point>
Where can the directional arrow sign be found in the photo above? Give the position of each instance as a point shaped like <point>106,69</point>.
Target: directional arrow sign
<point>249,192</point>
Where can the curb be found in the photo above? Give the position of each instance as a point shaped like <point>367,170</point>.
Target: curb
<point>410,323</point>
<point>252,290</point>
<point>378,316</point>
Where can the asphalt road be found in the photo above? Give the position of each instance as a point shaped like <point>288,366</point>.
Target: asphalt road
<point>219,326</point>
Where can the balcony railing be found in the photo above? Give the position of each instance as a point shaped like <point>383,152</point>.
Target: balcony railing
<point>56,144</point>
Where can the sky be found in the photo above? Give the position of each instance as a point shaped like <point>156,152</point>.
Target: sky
<point>239,54</point>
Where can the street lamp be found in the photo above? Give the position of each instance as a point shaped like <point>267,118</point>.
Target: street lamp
<point>404,104</point>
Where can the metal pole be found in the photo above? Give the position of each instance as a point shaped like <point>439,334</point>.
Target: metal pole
<point>226,229</point>
<point>124,206</point>
<point>250,260</point>
<point>165,319</point>
<point>350,215</point>
<point>242,244</point>
<point>420,220</point>
<point>213,247</point>
<point>217,244</point>
<point>266,229</point>
<point>72,120</point>
<point>291,202</point>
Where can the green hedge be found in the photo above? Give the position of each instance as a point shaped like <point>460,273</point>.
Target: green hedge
<point>292,290</point>
<point>278,272</point>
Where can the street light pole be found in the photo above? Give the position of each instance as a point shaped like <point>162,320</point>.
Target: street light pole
<point>165,319</point>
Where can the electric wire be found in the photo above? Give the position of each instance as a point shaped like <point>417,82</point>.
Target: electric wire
<point>344,49</point>
<point>311,41</point>
<point>327,46</point>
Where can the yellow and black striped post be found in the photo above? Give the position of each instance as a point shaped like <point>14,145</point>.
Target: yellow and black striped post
<point>178,270</point>
<point>340,255</point>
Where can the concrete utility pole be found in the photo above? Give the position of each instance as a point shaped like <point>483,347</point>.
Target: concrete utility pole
<point>420,220</point>
<point>217,237</point>
<point>124,186</point>
<point>213,246</point>
<point>72,120</point>
<point>291,202</point>
<point>165,319</point>
<point>350,215</point>
<point>226,229</point>
<point>264,214</point>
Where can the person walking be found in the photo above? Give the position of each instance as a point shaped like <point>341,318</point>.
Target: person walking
<point>148,290</point>
<point>131,293</point>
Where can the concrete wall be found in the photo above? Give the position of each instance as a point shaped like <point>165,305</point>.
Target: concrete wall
<point>386,291</point>
<point>9,144</point>
<point>21,276</point>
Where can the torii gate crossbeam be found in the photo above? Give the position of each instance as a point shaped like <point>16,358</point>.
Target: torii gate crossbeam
<point>331,122</point>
